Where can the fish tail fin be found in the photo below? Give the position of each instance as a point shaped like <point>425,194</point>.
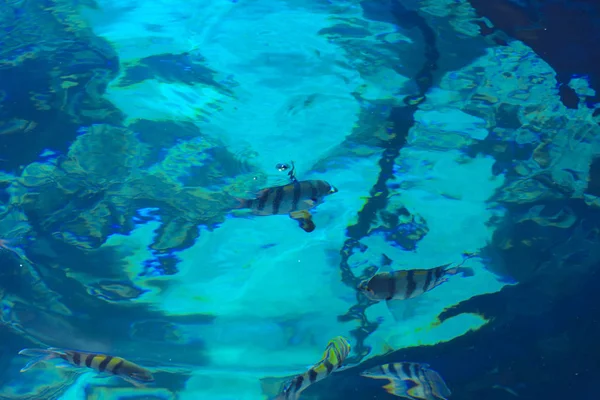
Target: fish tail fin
<point>437,384</point>
<point>40,355</point>
<point>272,388</point>
<point>465,271</point>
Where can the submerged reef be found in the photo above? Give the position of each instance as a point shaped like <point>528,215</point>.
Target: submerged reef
<point>126,148</point>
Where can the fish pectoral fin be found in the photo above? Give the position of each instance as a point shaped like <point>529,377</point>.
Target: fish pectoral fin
<point>402,310</point>
<point>401,388</point>
<point>441,281</point>
<point>304,219</point>
<point>302,214</point>
<point>310,202</point>
<point>398,309</point>
<point>64,365</point>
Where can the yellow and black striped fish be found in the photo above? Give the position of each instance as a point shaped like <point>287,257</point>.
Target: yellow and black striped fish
<point>296,196</point>
<point>413,381</point>
<point>335,353</point>
<point>407,284</point>
<point>117,366</point>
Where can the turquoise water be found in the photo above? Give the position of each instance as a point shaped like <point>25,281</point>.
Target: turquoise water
<point>159,114</point>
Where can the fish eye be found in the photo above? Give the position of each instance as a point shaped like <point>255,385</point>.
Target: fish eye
<point>282,167</point>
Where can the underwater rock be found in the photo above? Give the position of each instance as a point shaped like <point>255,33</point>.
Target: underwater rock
<point>47,328</point>
<point>171,68</point>
<point>593,186</point>
<point>114,291</point>
<point>401,228</point>
<point>97,197</point>
<point>541,156</point>
<point>95,392</point>
<point>50,385</point>
<point>98,143</point>
<point>53,75</point>
<point>16,126</point>
<point>21,282</point>
<point>76,187</point>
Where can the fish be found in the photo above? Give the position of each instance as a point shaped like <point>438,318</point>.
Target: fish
<point>295,196</point>
<point>290,199</point>
<point>103,363</point>
<point>408,284</point>
<point>336,352</point>
<point>415,381</point>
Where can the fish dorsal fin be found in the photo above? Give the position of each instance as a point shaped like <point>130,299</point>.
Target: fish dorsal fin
<point>386,261</point>
<point>385,265</point>
<point>446,266</point>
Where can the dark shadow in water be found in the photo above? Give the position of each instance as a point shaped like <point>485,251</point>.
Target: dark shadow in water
<point>401,120</point>
<point>564,33</point>
<point>539,349</point>
<point>182,68</point>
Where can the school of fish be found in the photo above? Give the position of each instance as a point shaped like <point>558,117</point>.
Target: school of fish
<point>410,380</point>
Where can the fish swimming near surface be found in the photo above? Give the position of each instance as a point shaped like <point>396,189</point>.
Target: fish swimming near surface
<point>408,284</point>
<point>336,352</point>
<point>293,199</point>
<point>415,381</point>
<point>116,366</point>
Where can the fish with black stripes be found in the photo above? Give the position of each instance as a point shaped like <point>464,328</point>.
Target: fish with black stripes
<point>408,284</point>
<point>415,381</point>
<point>293,199</point>
<point>103,363</point>
<point>336,352</point>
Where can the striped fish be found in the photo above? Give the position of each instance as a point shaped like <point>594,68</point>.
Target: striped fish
<point>335,353</point>
<point>407,284</point>
<point>117,366</point>
<point>286,199</point>
<point>410,380</point>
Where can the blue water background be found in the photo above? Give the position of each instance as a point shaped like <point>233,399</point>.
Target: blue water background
<point>128,131</point>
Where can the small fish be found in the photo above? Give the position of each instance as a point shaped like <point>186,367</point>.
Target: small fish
<point>290,199</point>
<point>117,366</point>
<point>407,284</point>
<point>335,353</point>
<point>296,196</point>
<point>413,381</point>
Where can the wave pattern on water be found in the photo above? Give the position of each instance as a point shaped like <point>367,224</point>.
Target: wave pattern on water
<point>132,133</point>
